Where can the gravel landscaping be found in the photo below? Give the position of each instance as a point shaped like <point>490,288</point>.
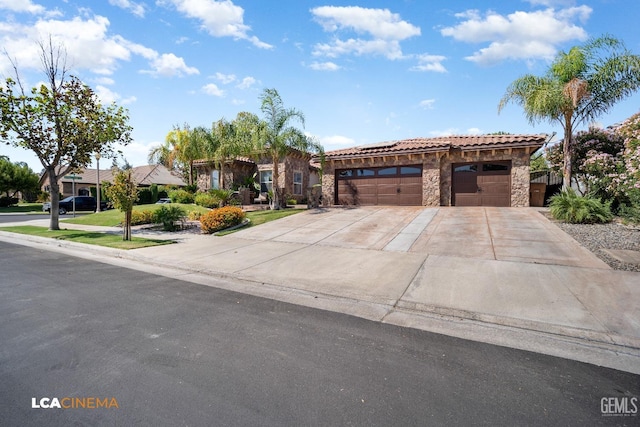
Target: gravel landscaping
<point>597,237</point>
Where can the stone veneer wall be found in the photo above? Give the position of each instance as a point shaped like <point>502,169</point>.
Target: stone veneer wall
<point>519,171</point>
<point>430,174</point>
<point>286,167</point>
<point>232,175</point>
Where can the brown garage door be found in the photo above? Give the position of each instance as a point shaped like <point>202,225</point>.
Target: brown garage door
<point>482,184</point>
<point>395,185</point>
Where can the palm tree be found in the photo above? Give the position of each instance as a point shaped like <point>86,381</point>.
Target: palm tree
<point>180,149</point>
<point>579,86</point>
<point>276,136</point>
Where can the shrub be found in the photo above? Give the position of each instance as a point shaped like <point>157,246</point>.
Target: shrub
<point>145,197</point>
<point>191,188</point>
<point>181,196</point>
<point>224,196</point>
<point>154,192</point>
<point>568,206</point>
<point>171,217</point>
<point>194,215</point>
<point>219,219</point>
<point>142,217</point>
<point>207,200</point>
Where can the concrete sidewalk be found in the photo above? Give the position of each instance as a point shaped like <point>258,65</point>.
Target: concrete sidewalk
<point>504,276</point>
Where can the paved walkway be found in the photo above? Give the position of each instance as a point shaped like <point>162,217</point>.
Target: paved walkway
<point>501,275</point>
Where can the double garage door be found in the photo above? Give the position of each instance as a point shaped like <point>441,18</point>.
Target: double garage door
<point>396,185</point>
<point>481,184</point>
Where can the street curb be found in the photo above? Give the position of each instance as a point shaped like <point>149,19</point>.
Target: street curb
<point>603,349</point>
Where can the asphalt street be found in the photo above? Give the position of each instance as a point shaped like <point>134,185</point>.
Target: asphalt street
<point>5,218</point>
<point>178,353</point>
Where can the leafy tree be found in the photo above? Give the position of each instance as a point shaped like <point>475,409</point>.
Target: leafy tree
<point>579,86</point>
<point>123,193</point>
<point>16,177</point>
<point>275,136</point>
<point>61,121</point>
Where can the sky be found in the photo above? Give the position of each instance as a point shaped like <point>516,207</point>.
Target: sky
<point>360,71</point>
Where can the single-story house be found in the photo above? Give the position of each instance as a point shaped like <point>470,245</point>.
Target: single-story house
<point>471,170</point>
<point>295,174</point>
<point>143,175</point>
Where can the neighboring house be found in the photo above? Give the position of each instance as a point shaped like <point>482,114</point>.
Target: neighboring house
<point>143,175</point>
<point>474,170</point>
<point>296,174</point>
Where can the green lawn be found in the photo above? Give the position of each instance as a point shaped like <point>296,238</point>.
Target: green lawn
<point>114,217</point>
<point>260,217</point>
<point>23,207</point>
<point>90,237</point>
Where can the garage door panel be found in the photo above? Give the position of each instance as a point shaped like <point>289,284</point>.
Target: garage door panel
<point>482,184</point>
<point>467,199</point>
<point>383,190</point>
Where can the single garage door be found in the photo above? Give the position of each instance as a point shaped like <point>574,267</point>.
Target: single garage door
<point>481,184</point>
<point>395,185</point>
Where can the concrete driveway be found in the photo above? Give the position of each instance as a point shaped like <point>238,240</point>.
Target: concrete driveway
<point>505,234</point>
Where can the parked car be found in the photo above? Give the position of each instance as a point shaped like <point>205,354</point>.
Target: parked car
<point>83,203</point>
<point>163,201</point>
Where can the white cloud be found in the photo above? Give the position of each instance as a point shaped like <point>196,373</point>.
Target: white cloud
<point>137,9</point>
<point>427,104</point>
<point>324,66</point>
<point>237,101</point>
<point>104,80</point>
<point>107,96</point>
<point>170,65</point>
<point>218,18</point>
<point>519,35</point>
<point>212,89</point>
<point>26,6</point>
<point>88,46</point>
<point>474,131</point>
<point>247,82</point>
<point>383,30</point>
<point>428,62</point>
<point>225,78</point>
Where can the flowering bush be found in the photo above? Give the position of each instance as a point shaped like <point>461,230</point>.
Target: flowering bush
<point>607,163</point>
<point>219,219</point>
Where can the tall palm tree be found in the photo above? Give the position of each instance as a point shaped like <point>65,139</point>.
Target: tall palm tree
<point>178,152</point>
<point>276,136</point>
<point>579,86</point>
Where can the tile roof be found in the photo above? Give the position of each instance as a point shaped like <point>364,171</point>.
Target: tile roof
<point>143,175</point>
<point>439,144</point>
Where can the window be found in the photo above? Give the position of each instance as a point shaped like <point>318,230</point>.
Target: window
<point>297,183</point>
<point>365,172</point>
<point>266,181</point>
<point>410,170</point>
<point>388,171</point>
<point>466,168</point>
<point>215,179</point>
<point>345,173</point>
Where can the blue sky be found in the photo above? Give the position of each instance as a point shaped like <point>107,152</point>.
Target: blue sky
<point>361,72</point>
